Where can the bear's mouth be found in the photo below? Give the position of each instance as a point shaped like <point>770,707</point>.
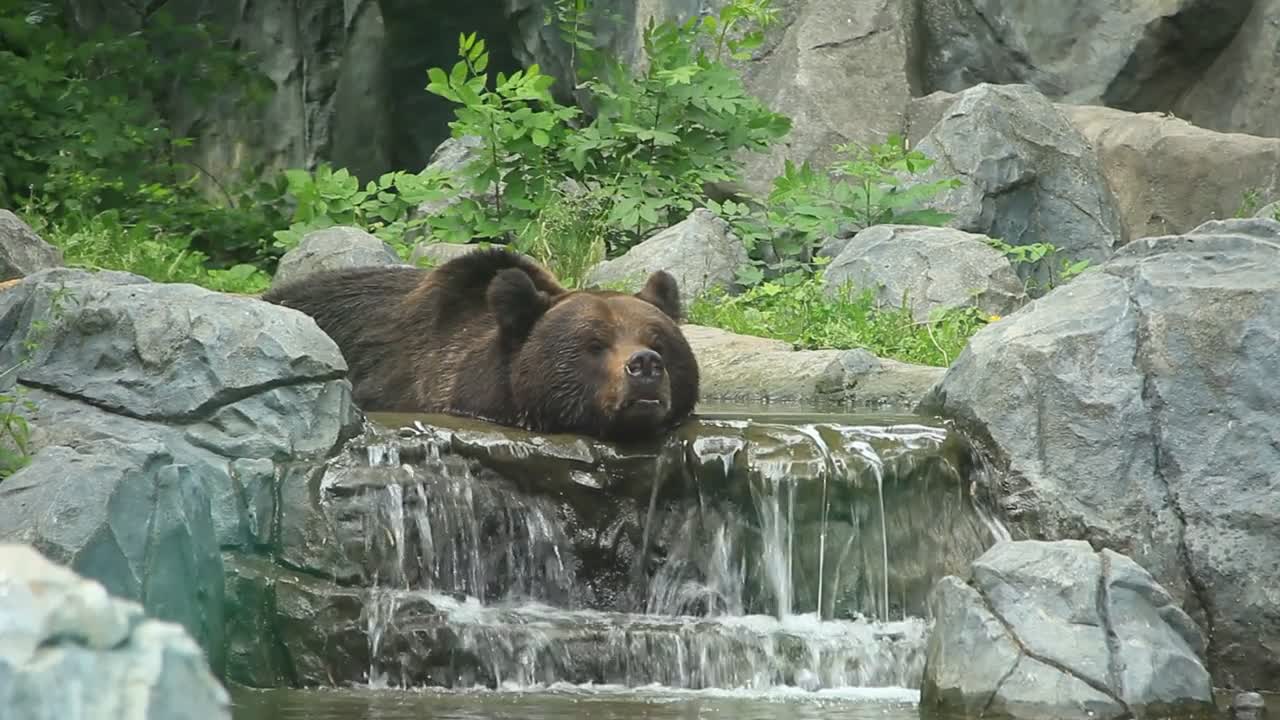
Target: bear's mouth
<point>644,404</point>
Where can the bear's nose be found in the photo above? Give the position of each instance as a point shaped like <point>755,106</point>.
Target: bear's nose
<point>645,365</point>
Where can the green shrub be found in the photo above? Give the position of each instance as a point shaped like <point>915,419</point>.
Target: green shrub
<point>1041,256</point>
<point>872,186</point>
<point>569,236</point>
<point>652,141</point>
<point>799,311</point>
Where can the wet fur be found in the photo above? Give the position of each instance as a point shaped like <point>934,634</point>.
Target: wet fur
<point>431,341</point>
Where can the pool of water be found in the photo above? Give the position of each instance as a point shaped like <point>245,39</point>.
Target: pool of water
<point>563,703</point>
<point>600,703</point>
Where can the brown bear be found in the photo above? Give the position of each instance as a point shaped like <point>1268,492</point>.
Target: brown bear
<point>493,335</point>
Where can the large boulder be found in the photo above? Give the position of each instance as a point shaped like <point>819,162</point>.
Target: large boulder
<point>22,251</point>
<point>1240,91</point>
<point>70,650</point>
<point>166,412</point>
<point>1130,408</point>
<point>743,369</point>
<point>334,248</point>
<point>1058,630</point>
<point>1138,55</point>
<point>1027,175</point>
<point>130,516</point>
<point>1168,175</point>
<point>930,268</point>
<point>842,70</point>
<point>701,252</point>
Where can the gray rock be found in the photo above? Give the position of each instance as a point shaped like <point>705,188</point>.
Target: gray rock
<point>1027,176</point>
<point>701,252</point>
<point>1058,630</point>
<point>287,628</point>
<point>1168,175</point>
<point>343,83</point>
<point>1105,435</point>
<point>931,268</point>
<point>1114,52</point>
<point>166,412</point>
<point>1239,92</point>
<point>70,650</point>
<point>438,253</point>
<point>744,369</point>
<point>451,157</point>
<point>1248,706</point>
<point>157,351</point>
<point>970,652</point>
<point>840,69</point>
<point>923,113</point>
<point>22,252</point>
<point>1270,211</point>
<point>130,517</point>
<point>334,248</point>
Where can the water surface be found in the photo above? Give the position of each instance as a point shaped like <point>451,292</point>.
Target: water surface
<point>576,703</point>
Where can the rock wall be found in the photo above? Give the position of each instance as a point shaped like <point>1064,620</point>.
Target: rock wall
<point>350,75</point>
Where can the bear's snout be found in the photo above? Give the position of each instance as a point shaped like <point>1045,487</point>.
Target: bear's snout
<point>644,366</point>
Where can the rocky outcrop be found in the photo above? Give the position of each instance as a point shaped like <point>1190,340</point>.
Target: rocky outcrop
<point>345,79</point>
<point>70,650</point>
<point>701,252</point>
<point>1058,630</point>
<point>1240,91</point>
<point>1127,409</point>
<point>927,268</point>
<point>167,411</point>
<point>742,369</point>
<point>842,70</point>
<point>333,248</point>
<point>1168,175</point>
<point>1135,55</point>
<point>1027,175</point>
<point>22,251</point>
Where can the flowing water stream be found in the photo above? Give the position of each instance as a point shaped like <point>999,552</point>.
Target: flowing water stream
<point>747,564</point>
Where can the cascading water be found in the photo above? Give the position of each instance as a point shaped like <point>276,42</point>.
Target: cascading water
<point>739,554</point>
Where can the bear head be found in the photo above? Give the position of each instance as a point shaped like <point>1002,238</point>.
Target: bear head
<point>596,362</point>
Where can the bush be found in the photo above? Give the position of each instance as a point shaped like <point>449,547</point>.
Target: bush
<point>82,129</point>
<point>870,187</point>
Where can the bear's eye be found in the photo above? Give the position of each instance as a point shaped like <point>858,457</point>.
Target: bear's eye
<point>596,347</point>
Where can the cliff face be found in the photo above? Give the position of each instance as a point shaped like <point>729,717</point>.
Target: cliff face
<point>350,75</point>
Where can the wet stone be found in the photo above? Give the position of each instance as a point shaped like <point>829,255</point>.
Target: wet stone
<point>451,553</point>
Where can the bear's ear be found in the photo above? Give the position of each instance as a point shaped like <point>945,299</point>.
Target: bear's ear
<point>661,290</point>
<point>516,303</point>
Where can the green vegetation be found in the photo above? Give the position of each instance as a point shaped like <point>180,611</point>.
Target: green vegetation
<point>1041,254</point>
<point>803,315</point>
<point>84,143</point>
<point>105,242</point>
<point>87,153</point>
<point>873,186</point>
